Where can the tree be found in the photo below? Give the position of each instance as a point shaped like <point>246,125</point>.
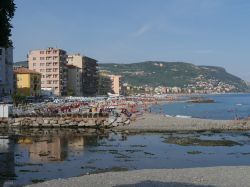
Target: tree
<point>18,99</point>
<point>70,92</point>
<point>7,10</point>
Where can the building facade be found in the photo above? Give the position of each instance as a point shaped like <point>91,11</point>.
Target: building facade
<point>74,80</point>
<point>6,71</point>
<point>28,82</point>
<point>89,77</point>
<point>116,84</point>
<point>51,63</point>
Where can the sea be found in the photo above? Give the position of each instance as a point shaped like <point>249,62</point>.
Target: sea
<point>35,155</point>
<point>225,107</point>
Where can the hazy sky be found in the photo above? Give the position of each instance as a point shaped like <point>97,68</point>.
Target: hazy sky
<point>203,32</point>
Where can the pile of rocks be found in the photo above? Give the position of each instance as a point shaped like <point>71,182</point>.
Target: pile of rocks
<point>26,122</point>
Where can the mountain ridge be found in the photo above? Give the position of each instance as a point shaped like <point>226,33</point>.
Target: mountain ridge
<point>180,74</point>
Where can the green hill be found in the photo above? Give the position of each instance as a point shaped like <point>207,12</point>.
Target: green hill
<point>180,74</point>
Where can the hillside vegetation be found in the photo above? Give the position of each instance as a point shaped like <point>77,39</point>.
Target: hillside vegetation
<point>180,74</point>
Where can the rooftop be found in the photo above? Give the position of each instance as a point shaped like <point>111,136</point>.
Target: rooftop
<point>25,71</point>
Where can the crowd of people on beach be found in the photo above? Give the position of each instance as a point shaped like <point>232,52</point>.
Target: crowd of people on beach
<point>128,106</point>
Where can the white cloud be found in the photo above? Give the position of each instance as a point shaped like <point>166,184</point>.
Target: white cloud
<point>142,30</point>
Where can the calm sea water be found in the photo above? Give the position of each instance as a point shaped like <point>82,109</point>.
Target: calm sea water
<point>227,106</point>
<point>27,157</point>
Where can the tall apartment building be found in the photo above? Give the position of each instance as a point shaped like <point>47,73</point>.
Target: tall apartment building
<point>89,76</point>
<point>116,84</point>
<point>74,80</point>
<point>6,71</point>
<point>51,63</point>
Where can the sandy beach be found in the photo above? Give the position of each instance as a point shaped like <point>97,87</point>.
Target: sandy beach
<point>158,123</point>
<point>195,177</point>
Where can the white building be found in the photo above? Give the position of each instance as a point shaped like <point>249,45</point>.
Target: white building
<point>6,71</point>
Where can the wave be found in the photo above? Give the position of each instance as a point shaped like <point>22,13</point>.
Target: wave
<point>182,116</point>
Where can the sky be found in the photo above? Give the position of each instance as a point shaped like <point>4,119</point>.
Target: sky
<point>202,32</point>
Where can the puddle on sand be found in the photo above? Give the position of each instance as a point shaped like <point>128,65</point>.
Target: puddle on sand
<point>39,155</point>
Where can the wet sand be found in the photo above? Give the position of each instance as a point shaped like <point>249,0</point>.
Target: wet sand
<point>158,123</point>
<point>195,177</point>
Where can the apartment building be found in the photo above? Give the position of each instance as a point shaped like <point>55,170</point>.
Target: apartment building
<point>116,84</point>
<point>74,80</point>
<point>28,82</point>
<point>6,71</point>
<point>89,76</point>
<point>51,63</point>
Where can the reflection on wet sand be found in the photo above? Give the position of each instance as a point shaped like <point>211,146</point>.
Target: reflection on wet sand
<point>48,149</point>
<point>54,148</point>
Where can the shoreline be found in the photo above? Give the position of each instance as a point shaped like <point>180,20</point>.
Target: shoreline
<point>222,176</point>
<point>148,122</point>
<point>159,123</point>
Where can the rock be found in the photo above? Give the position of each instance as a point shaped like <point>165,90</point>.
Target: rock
<point>16,124</point>
<point>46,121</point>
<point>11,120</point>
<point>82,124</point>
<point>61,122</point>
<point>72,124</point>
<point>55,125</point>
<point>35,124</point>
<point>53,121</point>
<point>39,120</point>
<point>67,121</point>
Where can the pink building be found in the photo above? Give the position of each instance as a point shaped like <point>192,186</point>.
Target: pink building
<point>51,63</point>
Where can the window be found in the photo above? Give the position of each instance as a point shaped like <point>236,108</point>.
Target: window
<point>41,58</point>
<point>55,76</point>
<point>1,52</point>
<point>55,69</point>
<point>41,64</point>
<point>41,52</point>
<point>49,82</point>
<point>34,58</point>
<point>48,64</point>
<point>41,70</point>
<point>34,64</point>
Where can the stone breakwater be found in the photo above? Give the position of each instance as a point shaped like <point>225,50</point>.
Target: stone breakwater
<point>66,121</point>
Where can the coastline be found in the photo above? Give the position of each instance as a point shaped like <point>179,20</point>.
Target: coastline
<point>159,123</point>
<point>222,176</point>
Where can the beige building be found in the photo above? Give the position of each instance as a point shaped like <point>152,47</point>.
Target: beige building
<point>51,63</point>
<point>6,71</point>
<point>74,80</point>
<point>88,71</point>
<point>116,84</point>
